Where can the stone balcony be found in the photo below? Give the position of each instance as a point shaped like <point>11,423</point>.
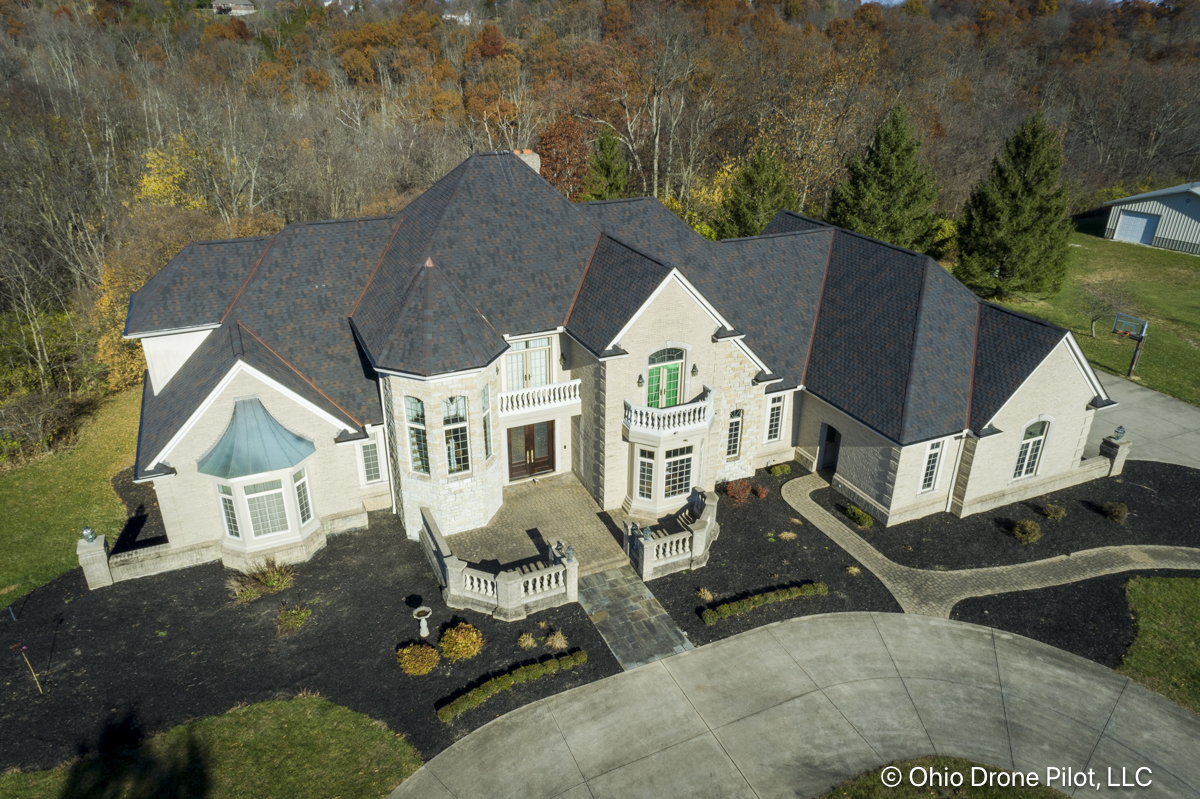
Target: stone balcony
<point>659,426</point>
<point>542,402</point>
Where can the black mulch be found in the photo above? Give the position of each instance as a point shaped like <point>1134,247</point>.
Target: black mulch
<point>1091,618</point>
<point>746,559</point>
<point>1164,508</point>
<point>171,647</point>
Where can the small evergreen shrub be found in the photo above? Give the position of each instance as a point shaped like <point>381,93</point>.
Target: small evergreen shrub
<point>526,641</point>
<point>761,492</point>
<point>461,643</point>
<point>1117,511</point>
<point>1027,531</point>
<point>737,490</point>
<point>556,640</point>
<point>418,659</point>
<point>1055,513</point>
<point>477,696</point>
<point>780,469</point>
<point>859,516</point>
<point>730,609</point>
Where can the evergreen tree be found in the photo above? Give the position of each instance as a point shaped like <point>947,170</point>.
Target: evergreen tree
<point>608,172</point>
<point>889,194</point>
<point>760,189</point>
<point>1014,231</point>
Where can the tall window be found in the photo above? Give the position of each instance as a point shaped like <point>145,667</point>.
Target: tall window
<point>454,419</point>
<point>733,444</point>
<point>932,458</point>
<point>679,472</point>
<point>300,481</point>
<point>666,368</point>
<point>775,419</point>
<point>645,473</point>
<point>370,456</point>
<point>267,514</point>
<point>1031,449</point>
<point>528,365</point>
<point>418,444</point>
<point>231,525</point>
<point>487,423</point>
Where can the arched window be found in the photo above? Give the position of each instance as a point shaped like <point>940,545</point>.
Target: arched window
<point>1031,449</point>
<point>665,384</point>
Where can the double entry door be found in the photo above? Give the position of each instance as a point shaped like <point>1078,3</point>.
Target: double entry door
<point>530,450</point>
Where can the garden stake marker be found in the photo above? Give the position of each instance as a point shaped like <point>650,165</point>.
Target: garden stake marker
<point>21,648</point>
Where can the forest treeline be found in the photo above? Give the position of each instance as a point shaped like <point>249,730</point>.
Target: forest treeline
<point>130,127</point>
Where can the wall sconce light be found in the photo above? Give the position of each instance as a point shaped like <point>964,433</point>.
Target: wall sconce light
<point>641,381</point>
<point>562,361</point>
<point>695,370</point>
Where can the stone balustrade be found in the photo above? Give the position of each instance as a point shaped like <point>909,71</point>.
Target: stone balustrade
<point>676,419</point>
<point>656,553</point>
<point>508,595</point>
<point>531,400</point>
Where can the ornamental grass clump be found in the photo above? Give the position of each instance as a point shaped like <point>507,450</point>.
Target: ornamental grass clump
<point>461,643</point>
<point>557,640</point>
<point>534,671</point>
<point>1117,511</point>
<point>1027,531</point>
<point>418,660</point>
<point>730,609</point>
<point>1055,513</point>
<point>291,620</point>
<point>859,516</point>
<point>526,641</point>
<point>263,579</point>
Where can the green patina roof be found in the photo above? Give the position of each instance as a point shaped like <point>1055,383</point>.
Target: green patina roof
<point>253,443</point>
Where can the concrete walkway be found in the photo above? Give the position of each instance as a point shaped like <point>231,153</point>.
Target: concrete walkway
<point>935,593</point>
<point>797,707</point>
<point>632,622</point>
<point>1161,428</point>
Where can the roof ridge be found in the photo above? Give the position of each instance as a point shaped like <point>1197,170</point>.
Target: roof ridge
<point>874,240</point>
<point>812,335</point>
<point>1024,316</point>
<point>922,296</point>
<point>254,270</point>
<point>761,236</point>
<point>582,278</point>
<point>631,248</point>
<point>462,301</point>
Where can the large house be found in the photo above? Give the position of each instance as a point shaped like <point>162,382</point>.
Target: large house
<point>493,332</point>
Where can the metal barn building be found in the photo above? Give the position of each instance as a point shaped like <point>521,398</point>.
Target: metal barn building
<point>1167,218</point>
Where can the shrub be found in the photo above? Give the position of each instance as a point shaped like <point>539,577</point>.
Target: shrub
<point>859,516</point>
<point>731,609</point>
<point>787,535</point>
<point>1027,531</point>
<point>761,492</point>
<point>556,640</point>
<point>461,643</point>
<point>418,659</point>
<point>526,641</point>
<point>1117,511</point>
<point>290,620</point>
<point>267,577</point>
<point>705,595</point>
<point>853,571</point>
<point>737,490</point>
<point>1055,513</point>
<point>477,696</point>
<point>780,469</point>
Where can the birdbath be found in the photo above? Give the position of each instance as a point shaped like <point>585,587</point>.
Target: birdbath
<point>421,614</point>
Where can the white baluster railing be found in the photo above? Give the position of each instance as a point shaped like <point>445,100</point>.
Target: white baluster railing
<point>544,582</point>
<point>676,545</point>
<point>667,420</point>
<point>524,400</point>
<point>478,582</point>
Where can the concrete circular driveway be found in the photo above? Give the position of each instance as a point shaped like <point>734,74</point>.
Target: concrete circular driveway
<point>794,708</point>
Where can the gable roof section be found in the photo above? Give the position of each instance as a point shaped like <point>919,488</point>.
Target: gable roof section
<point>1011,346</point>
<point>1183,188</point>
<point>512,247</point>
<point>649,226</point>
<point>792,222</point>
<point>618,282</point>
<point>195,288</point>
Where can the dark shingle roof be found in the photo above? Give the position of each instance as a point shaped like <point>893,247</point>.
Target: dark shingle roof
<point>792,222</point>
<point>1011,346</point>
<point>618,282</point>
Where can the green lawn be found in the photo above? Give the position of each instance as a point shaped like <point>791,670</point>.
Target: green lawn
<point>295,749</point>
<point>870,785</point>
<point>1167,287</point>
<point>45,504</point>
<point>1165,654</point>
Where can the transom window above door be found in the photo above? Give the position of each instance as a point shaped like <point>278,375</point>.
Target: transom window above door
<point>664,387</point>
<point>528,366</point>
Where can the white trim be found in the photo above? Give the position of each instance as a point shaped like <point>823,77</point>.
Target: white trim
<point>961,438</point>
<point>1085,368</point>
<point>937,469</point>
<point>688,287</point>
<point>380,458</point>
<point>172,332</point>
<point>527,336</point>
<point>1045,437</point>
<point>770,398</point>
<point>237,369</point>
<point>444,376</point>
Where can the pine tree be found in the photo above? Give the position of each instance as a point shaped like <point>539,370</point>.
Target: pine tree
<point>889,194</point>
<point>608,173</point>
<point>1014,231</point>
<point>760,189</point>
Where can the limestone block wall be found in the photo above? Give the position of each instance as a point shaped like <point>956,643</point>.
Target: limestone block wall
<point>588,429</point>
<point>908,500</point>
<point>190,507</point>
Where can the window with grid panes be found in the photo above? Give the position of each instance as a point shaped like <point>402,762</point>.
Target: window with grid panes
<point>300,481</point>
<point>528,364</point>
<point>678,472</point>
<point>645,473</point>
<point>733,444</point>
<point>775,419</point>
<point>231,525</point>
<point>1031,449</point>
<point>487,423</point>
<point>454,421</point>
<point>932,458</point>
<point>418,444</point>
<point>370,456</point>
<point>267,512</point>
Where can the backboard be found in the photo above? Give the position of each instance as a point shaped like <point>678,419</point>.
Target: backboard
<point>1128,325</point>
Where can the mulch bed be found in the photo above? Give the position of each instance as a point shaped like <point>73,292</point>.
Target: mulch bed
<point>1090,618</point>
<point>745,560</point>
<point>172,647</point>
<point>1164,508</point>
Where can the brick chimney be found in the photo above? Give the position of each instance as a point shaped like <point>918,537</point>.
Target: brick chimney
<point>531,159</point>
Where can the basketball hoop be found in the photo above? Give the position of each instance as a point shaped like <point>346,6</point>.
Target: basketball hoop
<point>1131,327</point>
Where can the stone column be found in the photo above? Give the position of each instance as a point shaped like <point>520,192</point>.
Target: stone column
<point>452,591</point>
<point>572,579</point>
<point>93,558</point>
<point>510,603</point>
<point>1116,451</point>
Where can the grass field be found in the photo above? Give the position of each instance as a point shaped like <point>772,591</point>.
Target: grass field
<point>1167,287</point>
<point>870,785</point>
<point>1165,654</point>
<point>296,749</point>
<point>45,504</point>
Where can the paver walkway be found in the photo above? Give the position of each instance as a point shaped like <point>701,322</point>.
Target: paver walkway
<point>632,622</point>
<point>797,707</point>
<point>935,593</point>
<point>1161,428</point>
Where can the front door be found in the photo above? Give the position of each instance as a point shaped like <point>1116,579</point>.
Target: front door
<point>663,391</point>
<point>530,450</point>
<point>829,448</point>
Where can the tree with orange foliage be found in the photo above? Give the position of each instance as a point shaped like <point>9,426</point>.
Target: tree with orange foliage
<point>565,154</point>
